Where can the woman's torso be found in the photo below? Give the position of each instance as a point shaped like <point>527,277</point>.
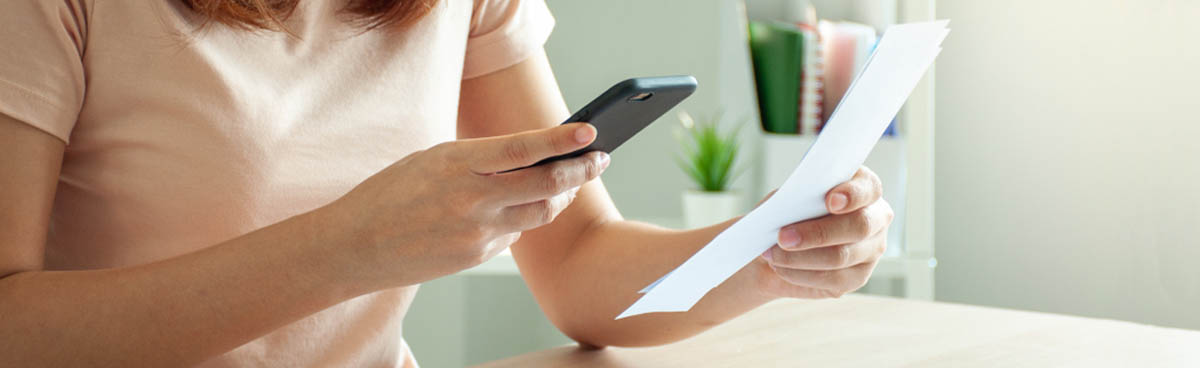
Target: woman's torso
<point>189,138</point>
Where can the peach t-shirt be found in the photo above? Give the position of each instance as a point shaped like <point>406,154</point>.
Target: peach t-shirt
<point>180,139</point>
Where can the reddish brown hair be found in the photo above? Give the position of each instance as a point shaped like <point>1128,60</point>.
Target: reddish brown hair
<point>269,14</point>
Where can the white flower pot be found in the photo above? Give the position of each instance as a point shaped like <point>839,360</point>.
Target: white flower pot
<point>701,208</point>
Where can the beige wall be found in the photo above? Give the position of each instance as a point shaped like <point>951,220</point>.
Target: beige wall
<point>1068,157</point>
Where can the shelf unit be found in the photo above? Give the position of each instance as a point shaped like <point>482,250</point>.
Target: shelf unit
<point>912,265</point>
<point>918,119</point>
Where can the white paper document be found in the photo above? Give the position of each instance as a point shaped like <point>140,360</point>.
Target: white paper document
<point>901,58</point>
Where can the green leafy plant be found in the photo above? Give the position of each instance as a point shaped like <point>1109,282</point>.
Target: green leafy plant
<point>708,153</point>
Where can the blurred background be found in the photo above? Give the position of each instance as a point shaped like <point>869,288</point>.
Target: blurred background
<point>1048,163</point>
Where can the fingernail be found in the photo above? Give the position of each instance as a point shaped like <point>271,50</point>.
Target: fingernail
<point>604,160</point>
<point>584,134</point>
<point>767,255</point>
<point>838,201</point>
<point>789,238</point>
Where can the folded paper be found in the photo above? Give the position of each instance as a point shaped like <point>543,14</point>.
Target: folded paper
<point>900,60</point>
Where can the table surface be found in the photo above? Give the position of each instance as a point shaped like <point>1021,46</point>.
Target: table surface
<point>862,331</point>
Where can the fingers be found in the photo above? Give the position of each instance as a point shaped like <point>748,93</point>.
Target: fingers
<point>543,181</point>
<point>836,282</point>
<point>534,214</point>
<point>498,154</point>
<point>829,258</point>
<point>827,271</point>
<point>833,255</point>
<point>836,229</point>
<point>862,190</point>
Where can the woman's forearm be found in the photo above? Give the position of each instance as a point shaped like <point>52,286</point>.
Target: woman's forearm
<point>612,260</point>
<point>175,312</point>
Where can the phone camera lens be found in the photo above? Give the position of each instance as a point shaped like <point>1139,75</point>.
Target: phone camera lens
<point>641,96</point>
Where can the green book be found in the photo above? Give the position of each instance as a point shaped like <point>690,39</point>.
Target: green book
<point>777,50</point>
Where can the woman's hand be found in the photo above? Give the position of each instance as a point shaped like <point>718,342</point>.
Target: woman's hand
<point>832,255</point>
<point>454,206</point>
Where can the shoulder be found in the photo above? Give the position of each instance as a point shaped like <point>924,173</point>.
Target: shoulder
<point>24,17</point>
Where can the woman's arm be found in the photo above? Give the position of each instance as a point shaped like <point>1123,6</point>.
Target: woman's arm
<point>175,312</point>
<point>183,310</point>
<point>585,267</point>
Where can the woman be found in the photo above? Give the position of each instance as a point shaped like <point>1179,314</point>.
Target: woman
<point>265,183</point>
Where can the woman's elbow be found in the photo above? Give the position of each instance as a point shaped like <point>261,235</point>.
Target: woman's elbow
<point>598,334</point>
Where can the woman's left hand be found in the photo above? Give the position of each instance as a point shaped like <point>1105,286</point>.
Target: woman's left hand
<point>830,256</point>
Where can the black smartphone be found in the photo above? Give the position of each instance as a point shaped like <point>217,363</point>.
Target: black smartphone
<point>628,107</point>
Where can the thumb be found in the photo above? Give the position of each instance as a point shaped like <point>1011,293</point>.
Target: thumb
<point>497,154</point>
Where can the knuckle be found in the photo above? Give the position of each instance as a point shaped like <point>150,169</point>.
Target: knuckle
<point>591,169</point>
<point>558,179</point>
<point>517,151</point>
<point>862,225</point>
<point>818,233</point>
<point>860,192</point>
<point>888,212</point>
<point>843,256</point>
<point>544,212</point>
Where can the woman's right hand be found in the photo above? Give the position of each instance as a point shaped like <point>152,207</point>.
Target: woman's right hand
<point>453,206</point>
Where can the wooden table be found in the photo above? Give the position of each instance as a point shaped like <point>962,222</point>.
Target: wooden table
<point>865,331</point>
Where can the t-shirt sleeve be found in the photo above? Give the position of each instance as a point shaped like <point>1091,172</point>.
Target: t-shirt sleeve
<point>504,33</point>
<point>41,67</point>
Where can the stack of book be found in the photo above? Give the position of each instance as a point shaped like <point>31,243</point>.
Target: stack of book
<point>803,68</point>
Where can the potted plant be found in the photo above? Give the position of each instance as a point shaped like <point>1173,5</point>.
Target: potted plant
<point>708,157</point>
